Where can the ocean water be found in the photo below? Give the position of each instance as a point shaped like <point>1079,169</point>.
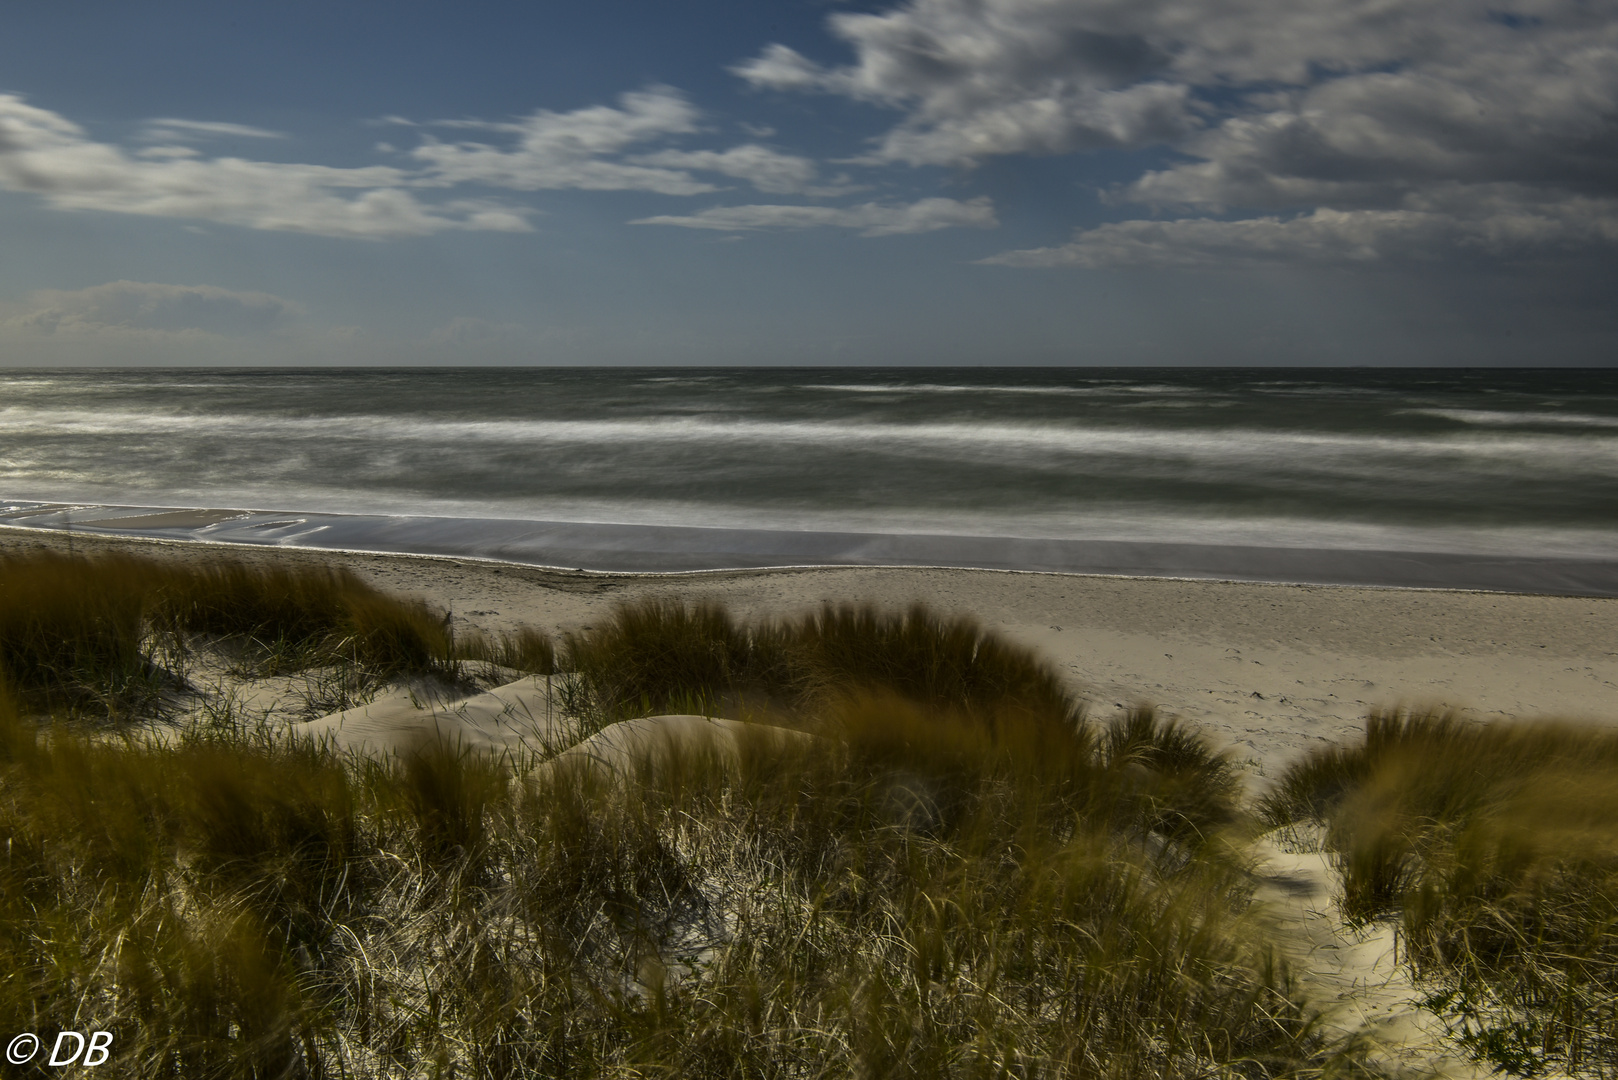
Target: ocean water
<point>1513,464</point>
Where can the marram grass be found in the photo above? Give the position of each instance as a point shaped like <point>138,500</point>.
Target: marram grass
<point>922,895</point>
<point>92,632</point>
<point>1496,846</point>
<point>655,655</point>
<point>953,876</point>
<point>951,873</point>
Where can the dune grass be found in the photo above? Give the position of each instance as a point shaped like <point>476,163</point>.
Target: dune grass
<point>670,656</point>
<point>1497,847</point>
<point>957,876</point>
<point>108,634</point>
<point>946,662</point>
<point>659,656</point>
<point>924,896</point>
<point>526,649</point>
<point>72,627</point>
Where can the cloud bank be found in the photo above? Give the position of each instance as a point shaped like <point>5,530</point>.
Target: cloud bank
<point>1350,131</point>
<point>1314,129</point>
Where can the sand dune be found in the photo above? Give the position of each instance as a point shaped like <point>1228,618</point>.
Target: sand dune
<point>1268,669</point>
<point>507,719</point>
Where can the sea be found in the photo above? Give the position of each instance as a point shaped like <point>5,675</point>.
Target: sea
<point>1482,478</point>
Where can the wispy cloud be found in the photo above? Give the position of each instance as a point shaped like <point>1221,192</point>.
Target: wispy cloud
<point>596,148</point>
<point>871,219</point>
<point>43,153</point>
<point>765,169</point>
<point>604,148</point>
<point>552,150</point>
<point>1513,226</point>
<point>169,129</point>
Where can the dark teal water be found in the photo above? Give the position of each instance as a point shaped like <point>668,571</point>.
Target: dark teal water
<point>1494,461</point>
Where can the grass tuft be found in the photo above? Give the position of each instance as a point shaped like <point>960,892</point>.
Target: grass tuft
<point>527,650</point>
<point>95,632</point>
<point>655,653</point>
<point>661,656</point>
<point>1497,847</point>
<point>1195,793</point>
<point>69,626</point>
<point>940,661</point>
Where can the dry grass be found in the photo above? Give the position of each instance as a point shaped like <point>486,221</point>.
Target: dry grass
<point>661,656</point>
<point>527,650</point>
<point>69,626</point>
<point>943,662</point>
<point>668,656</point>
<point>108,633</point>
<point>1497,846</point>
<point>922,897</point>
<point>958,877</point>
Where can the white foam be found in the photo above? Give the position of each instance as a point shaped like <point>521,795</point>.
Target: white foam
<point>1043,391</point>
<point>1331,451</point>
<point>1097,522</point>
<point>1499,418</point>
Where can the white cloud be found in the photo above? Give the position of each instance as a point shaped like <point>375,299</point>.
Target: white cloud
<point>781,68</point>
<point>570,150</point>
<point>150,307</point>
<point>1509,227</point>
<point>872,219</point>
<point>1073,119</point>
<point>167,129</point>
<point>982,77</point>
<point>600,148</point>
<point>46,154</point>
<point>163,153</point>
<point>766,169</point>
<point>1405,116</point>
<point>1492,104</point>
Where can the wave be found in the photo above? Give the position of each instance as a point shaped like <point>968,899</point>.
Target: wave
<point>1100,523</point>
<point>946,388</point>
<point>1215,445</point>
<point>1499,418</point>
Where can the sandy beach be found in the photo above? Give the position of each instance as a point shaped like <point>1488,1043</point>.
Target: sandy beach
<point>1269,670</point>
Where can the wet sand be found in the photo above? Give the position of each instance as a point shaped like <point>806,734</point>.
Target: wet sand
<point>638,549</point>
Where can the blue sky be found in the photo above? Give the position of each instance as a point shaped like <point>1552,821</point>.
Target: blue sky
<point>934,181</point>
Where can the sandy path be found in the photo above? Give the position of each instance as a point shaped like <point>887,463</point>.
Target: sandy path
<point>1352,974</point>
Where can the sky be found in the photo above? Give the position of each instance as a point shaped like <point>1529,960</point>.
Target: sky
<point>996,182</point>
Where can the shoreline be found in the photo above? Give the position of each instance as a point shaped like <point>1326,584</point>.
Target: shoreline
<point>668,549</point>
<point>1269,669</point>
<point>237,548</point>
